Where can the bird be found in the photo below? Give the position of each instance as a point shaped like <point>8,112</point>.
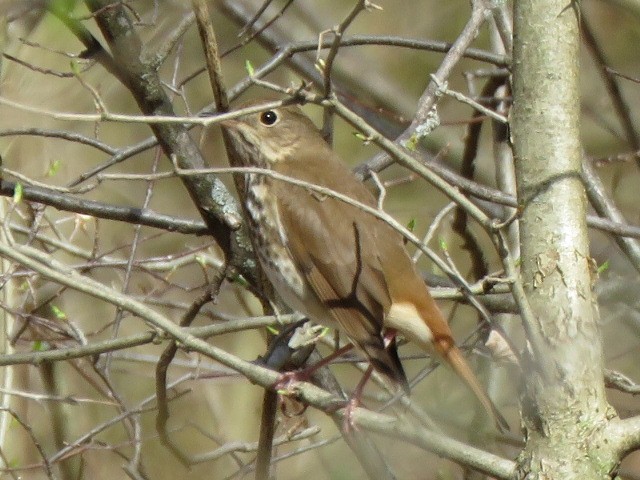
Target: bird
<point>331,260</point>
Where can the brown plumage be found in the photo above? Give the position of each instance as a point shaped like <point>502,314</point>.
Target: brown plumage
<point>334,262</point>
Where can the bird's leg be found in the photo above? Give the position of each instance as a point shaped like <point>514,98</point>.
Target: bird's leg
<point>356,397</point>
<point>287,379</point>
<point>355,400</point>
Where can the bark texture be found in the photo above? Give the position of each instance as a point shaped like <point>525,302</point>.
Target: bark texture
<point>563,398</point>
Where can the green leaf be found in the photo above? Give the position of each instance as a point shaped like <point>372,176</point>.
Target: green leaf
<point>58,313</point>
<point>75,67</point>
<point>411,225</point>
<point>273,330</point>
<point>40,346</point>
<point>249,67</point>
<point>603,268</point>
<point>201,261</point>
<point>53,168</point>
<point>443,244</point>
<point>17,193</point>
<point>412,143</point>
<point>240,280</point>
<point>360,136</point>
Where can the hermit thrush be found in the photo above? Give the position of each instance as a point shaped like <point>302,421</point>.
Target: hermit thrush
<point>334,262</point>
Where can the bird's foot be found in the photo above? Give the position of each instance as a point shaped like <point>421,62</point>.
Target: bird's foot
<point>286,382</point>
<point>348,424</point>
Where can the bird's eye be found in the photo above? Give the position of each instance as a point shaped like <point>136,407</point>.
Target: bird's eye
<point>268,118</point>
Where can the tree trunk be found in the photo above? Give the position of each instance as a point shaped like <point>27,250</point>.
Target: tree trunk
<point>564,408</point>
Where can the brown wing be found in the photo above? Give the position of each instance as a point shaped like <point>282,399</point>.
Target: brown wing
<point>334,245</point>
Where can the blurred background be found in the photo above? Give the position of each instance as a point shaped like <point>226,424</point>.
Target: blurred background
<point>219,410</point>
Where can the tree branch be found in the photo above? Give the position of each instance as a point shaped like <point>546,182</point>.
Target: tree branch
<point>314,396</point>
<point>217,207</point>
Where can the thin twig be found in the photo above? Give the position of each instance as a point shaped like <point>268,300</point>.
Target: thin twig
<point>611,83</point>
<point>383,424</point>
<point>605,207</point>
<point>210,45</point>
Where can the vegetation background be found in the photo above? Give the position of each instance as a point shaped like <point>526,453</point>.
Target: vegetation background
<point>94,416</point>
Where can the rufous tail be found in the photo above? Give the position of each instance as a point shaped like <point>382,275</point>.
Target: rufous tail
<point>454,357</point>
